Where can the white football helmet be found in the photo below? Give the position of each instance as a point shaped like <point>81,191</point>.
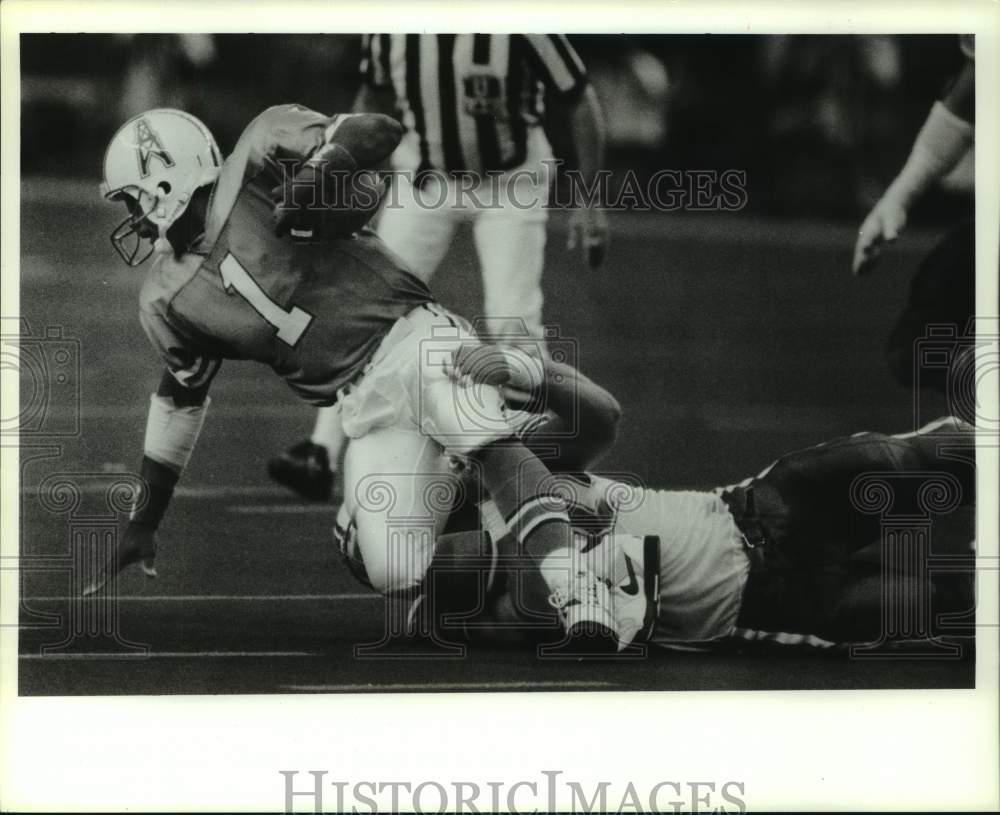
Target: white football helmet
<point>154,164</point>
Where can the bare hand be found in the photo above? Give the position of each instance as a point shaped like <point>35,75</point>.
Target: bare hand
<point>882,226</point>
<point>495,365</point>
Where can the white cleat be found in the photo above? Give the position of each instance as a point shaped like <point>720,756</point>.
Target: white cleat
<point>587,613</point>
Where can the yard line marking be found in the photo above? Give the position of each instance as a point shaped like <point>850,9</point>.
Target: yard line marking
<point>98,486</point>
<point>212,598</point>
<point>428,686</point>
<point>172,655</point>
<point>137,410</point>
<point>281,509</point>
<point>714,415</point>
<point>214,491</point>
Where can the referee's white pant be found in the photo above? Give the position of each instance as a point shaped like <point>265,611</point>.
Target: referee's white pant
<point>508,217</point>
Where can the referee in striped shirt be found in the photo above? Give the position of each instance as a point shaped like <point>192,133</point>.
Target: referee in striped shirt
<point>475,108</point>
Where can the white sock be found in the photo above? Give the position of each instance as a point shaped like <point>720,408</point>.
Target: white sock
<point>329,433</point>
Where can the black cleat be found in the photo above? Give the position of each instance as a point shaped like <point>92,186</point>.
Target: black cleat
<point>305,469</point>
<point>138,546</point>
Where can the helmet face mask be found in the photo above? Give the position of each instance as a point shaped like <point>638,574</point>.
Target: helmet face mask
<point>134,239</point>
<point>154,164</point>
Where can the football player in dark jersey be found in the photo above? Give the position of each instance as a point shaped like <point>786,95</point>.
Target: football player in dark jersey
<point>262,257</point>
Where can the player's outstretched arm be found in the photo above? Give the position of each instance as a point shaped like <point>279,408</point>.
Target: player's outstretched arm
<point>582,416</point>
<point>945,137</point>
<point>176,415</point>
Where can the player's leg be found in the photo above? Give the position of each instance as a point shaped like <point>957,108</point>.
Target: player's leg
<point>309,467</point>
<point>510,242</point>
<point>328,433</point>
<point>408,391</point>
<point>397,481</point>
<point>470,420</point>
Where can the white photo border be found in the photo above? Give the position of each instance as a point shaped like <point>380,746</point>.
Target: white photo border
<point>927,750</point>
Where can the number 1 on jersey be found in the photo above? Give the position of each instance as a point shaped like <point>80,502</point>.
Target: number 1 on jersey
<point>290,325</point>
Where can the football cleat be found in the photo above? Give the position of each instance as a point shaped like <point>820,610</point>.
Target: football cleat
<point>585,609</point>
<point>139,549</point>
<point>305,468</point>
<point>630,566</point>
<point>635,588</point>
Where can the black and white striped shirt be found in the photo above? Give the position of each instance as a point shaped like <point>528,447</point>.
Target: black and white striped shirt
<point>469,101</point>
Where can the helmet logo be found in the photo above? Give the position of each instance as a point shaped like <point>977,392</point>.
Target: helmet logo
<point>148,146</point>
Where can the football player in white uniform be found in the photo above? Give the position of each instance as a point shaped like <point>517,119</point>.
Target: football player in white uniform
<point>767,559</point>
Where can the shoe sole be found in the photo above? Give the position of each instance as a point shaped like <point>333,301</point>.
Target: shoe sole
<point>585,639</point>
